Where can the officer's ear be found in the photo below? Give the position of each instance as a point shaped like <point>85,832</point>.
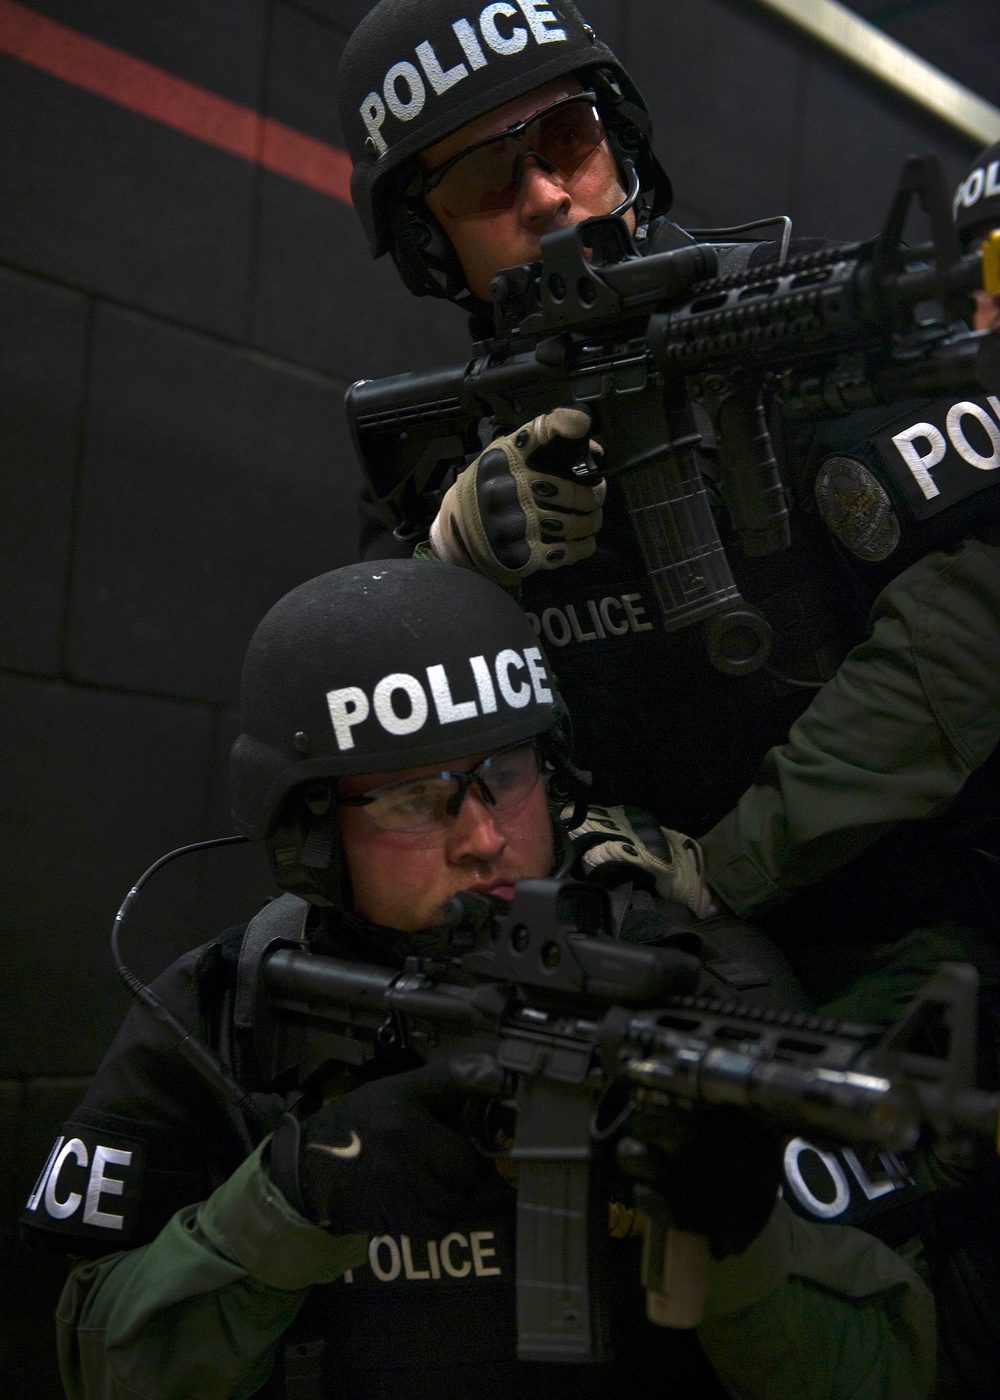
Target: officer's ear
<point>420,248</point>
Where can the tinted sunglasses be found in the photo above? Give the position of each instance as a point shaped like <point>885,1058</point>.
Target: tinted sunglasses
<point>430,803</point>
<point>486,176</point>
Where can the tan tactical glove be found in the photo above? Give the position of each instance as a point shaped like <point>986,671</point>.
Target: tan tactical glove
<point>506,518</point>
<point>681,877</point>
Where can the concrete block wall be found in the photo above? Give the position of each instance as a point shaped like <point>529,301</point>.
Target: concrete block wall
<point>177,329</point>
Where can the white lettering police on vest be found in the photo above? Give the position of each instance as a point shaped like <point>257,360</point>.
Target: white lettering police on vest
<point>48,1188</point>
<point>404,91</point>
<point>920,463</point>
<point>604,617</point>
<point>456,1256</point>
<point>518,677</point>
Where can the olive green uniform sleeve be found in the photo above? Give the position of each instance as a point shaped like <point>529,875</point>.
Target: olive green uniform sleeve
<point>819,1312</point>
<point>910,714</point>
<point>200,1310</point>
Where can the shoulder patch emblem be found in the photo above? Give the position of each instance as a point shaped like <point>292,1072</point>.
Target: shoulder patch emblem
<point>88,1186</point>
<point>856,509</point>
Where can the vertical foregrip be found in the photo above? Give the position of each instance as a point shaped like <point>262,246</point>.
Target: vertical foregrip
<point>751,483</point>
<point>674,1274</point>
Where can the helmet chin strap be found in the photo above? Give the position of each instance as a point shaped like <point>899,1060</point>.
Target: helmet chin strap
<point>631,175</point>
<point>563,854</point>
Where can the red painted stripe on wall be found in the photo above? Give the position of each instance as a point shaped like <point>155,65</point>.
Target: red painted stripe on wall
<point>152,92</point>
<point>289,152</point>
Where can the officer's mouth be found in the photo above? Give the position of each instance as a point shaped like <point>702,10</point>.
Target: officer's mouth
<point>499,889</point>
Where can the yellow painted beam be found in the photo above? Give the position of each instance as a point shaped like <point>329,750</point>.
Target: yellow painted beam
<point>893,64</point>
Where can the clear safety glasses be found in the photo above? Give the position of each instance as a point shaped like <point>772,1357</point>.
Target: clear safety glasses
<point>485,177</point>
<point>429,803</point>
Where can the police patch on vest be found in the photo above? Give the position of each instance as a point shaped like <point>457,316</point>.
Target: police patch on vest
<point>591,619</point>
<point>856,509</point>
<point>843,1185</point>
<point>466,1254</point>
<point>89,1186</point>
<point>949,454</point>
<point>500,31</point>
<point>401,703</point>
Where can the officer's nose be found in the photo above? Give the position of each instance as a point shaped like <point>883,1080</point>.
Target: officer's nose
<point>543,203</point>
<point>474,834</point>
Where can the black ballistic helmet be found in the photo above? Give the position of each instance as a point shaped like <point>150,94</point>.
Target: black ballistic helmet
<point>370,669</point>
<point>414,71</point>
<point>976,204</point>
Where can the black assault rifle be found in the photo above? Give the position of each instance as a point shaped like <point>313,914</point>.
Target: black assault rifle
<point>640,341</point>
<point>573,1016</point>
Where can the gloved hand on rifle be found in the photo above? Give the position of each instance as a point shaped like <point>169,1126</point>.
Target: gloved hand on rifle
<point>391,1154</point>
<point>716,1169</point>
<point>506,517</point>
<point>612,847</point>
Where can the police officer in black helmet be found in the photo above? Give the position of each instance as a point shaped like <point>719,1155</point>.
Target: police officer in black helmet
<point>534,124</point>
<point>403,740</point>
<point>472,135</point>
<point>413,77</point>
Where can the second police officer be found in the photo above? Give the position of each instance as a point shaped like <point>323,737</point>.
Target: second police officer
<point>473,137</point>
<point>403,740</point>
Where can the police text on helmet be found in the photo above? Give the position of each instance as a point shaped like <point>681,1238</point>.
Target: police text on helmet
<point>496,34</point>
<point>513,679</point>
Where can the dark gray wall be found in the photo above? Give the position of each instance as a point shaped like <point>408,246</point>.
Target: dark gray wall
<point>177,329</point>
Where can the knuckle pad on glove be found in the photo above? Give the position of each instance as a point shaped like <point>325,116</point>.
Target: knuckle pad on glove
<point>568,553</point>
<point>496,489</point>
<point>574,527</point>
<point>503,520</point>
<point>553,493</point>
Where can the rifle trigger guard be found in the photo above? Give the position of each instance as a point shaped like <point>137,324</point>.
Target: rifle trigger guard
<point>603,1133</point>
